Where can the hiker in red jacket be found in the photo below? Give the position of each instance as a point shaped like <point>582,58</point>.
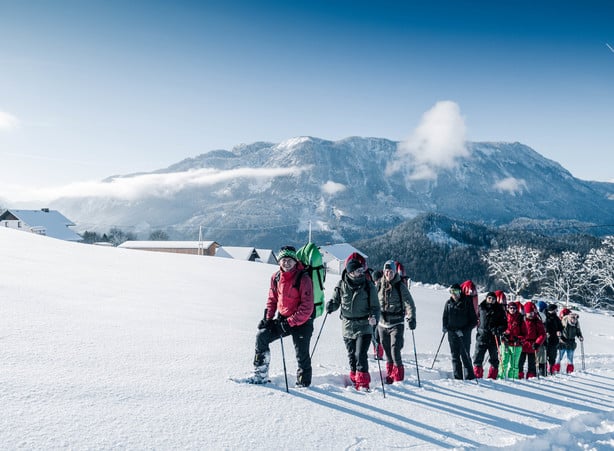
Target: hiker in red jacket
<point>535,336</point>
<point>511,343</point>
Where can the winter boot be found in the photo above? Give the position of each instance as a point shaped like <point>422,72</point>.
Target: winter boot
<point>493,372</point>
<point>478,371</point>
<point>520,375</point>
<point>353,376</point>
<point>530,375</point>
<point>542,369</point>
<point>303,377</point>
<point>398,373</point>
<point>261,368</point>
<point>378,352</point>
<point>556,368</point>
<point>389,371</point>
<point>570,368</point>
<point>362,380</point>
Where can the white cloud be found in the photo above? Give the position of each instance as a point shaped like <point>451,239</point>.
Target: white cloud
<point>332,188</point>
<point>147,185</point>
<point>511,185</point>
<point>8,121</point>
<point>437,142</point>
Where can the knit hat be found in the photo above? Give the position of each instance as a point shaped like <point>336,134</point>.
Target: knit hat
<point>529,307</point>
<point>552,307</point>
<point>491,294</point>
<point>353,265</point>
<point>287,252</point>
<point>391,265</point>
<point>541,306</point>
<point>564,312</point>
<point>501,296</point>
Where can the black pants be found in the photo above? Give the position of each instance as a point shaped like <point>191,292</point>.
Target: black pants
<point>357,352</point>
<point>486,342</point>
<point>459,348</point>
<point>301,336</point>
<point>552,351</point>
<point>530,357</point>
<point>392,342</point>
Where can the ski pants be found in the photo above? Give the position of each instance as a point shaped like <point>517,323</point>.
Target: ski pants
<point>357,352</point>
<point>461,361</point>
<point>510,355</point>
<point>562,353</point>
<point>392,342</point>
<point>301,336</point>
<point>551,352</point>
<point>530,357</point>
<point>485,343</point>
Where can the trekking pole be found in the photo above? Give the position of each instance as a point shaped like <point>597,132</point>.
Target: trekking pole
<point>318,337</point>
<point>381,377</point>
<point>413,337</point>
<point>283,358</point>
<point>438,348</point>
<point>582,354</point>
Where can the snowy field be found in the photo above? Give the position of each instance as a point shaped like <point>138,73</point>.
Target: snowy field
<point>106,348</point>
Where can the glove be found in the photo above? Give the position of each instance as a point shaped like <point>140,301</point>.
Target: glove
<point>330,307</point>
<point>499,331</point>
<point>581,338</point>
<point>505,338</point>
<point>459,333</point>
<point>535,346</point>
<point>562,341</point>
<point>372,321</point>
<point>264,324</point>
<point>411,323</point>
<point>283,327</point>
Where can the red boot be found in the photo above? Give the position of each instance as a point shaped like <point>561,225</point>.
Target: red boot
<point>570,368</point>
<point>353,376</point>
<point>493,372</point>
<point>530,375</point>
<point>478,371</point>
<point>398,373</point>
<point>556,368</point>
<point>520,375</point>
<point>362,380</point>
<point>389,372</point>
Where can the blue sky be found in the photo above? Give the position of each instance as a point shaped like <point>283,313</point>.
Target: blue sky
<point>89,89</point>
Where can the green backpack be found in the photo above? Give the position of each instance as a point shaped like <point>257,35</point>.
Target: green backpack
<point>311,258</point>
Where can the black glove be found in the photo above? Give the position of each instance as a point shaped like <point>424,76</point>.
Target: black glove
<point>330,307</point>
<point>283,328</point>
<point>505,338</point>
<point>265,324</point>
<point>411,322</point>
<point>499,331</point>
<point>535,346</point>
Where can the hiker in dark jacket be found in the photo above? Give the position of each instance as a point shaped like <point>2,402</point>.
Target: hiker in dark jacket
<point>492,323</point>
<point>458,320</point>
<point>357,298</point>
<point>291,296</point>
<point>554,327</point>
<point>396,305</point>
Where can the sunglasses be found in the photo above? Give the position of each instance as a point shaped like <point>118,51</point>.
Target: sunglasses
<point>512,307</point>
<point>455,291</point>
<point>358,272</point>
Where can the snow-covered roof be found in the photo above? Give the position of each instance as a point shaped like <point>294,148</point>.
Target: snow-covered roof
<point>267,256</point>
<point>340,251</point>
<point>52,222</point>
<point>166,244</point>
<point>239,252</point>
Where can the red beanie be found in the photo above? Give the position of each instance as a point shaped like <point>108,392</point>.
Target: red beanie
<point>529,307</point>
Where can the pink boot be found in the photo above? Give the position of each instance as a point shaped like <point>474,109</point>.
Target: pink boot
<point>398,373</point>
<point>389,372</point>
<point>570,368</point>
<point>493,372</point>
<point>556,368</point>
<point>362,380</point>
<point>353,376</point>
<point>478,371</point>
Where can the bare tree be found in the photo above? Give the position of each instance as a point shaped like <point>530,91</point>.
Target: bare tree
<point>565,277</point>
<point>516,267</point>
<point>599,267</point>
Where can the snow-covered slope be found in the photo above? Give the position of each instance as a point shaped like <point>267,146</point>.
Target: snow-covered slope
<point>106,348</point>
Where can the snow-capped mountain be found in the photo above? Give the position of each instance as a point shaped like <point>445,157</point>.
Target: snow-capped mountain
<point>265,194</point>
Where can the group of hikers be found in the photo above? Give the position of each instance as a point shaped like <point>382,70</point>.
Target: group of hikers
<point>374,307</point>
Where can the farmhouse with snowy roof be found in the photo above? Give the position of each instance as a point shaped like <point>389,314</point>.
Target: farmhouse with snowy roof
<point>43,222</point>
<point>334,255</point>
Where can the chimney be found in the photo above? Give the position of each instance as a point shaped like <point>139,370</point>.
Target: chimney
<point>46,210</point>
